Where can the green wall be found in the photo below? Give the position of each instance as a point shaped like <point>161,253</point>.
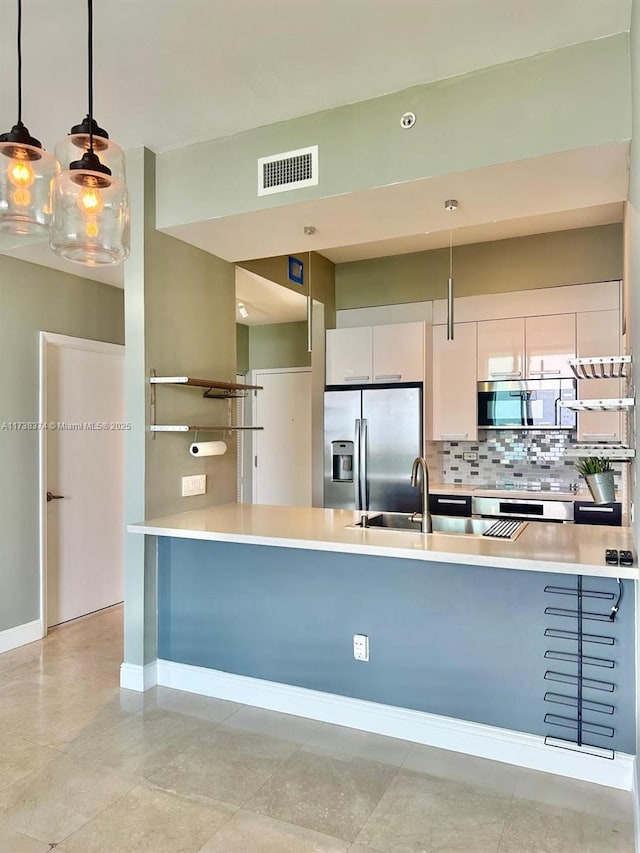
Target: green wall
<point>242,348</point>
<point>180,320</point>
<point>278,345</point>
<point>190,330</point>
<point>33,299</point>
<point>521,263</point>
<point>560,100</point>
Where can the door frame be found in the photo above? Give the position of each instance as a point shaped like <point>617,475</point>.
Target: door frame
<point>253,374</point>
<point>85,345</point>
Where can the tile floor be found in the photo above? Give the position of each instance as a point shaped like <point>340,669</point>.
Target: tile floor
<point>88,768</point>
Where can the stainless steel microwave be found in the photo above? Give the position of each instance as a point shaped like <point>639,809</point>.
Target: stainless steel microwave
<point>526,404</point>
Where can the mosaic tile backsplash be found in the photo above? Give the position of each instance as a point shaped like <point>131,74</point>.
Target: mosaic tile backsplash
<point>509,458</point>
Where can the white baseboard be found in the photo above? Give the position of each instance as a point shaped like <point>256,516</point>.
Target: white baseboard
<point>635,794</point>
<point>523,750</point>
<point>12,638</point>
<point>138,678</point>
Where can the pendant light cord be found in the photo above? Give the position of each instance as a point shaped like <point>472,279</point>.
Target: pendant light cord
<point>90,70</point>
<point>450,253</point>
<point>19,62</point>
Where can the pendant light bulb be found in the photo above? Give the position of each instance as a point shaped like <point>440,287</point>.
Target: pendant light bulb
<point>20,174</point>
<point>90,200</point>
<point>25,180</point>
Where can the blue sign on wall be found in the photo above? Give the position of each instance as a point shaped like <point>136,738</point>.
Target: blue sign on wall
<point>296,270</point>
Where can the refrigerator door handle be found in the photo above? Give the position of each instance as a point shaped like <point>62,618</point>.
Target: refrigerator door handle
<point>364,473</point>
<point>356,464</point>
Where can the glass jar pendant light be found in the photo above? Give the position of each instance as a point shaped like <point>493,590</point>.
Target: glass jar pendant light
<point>26,172</point>
<point>89,199</point>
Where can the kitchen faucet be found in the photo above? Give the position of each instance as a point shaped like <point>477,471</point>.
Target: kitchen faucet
<point>420,464</point>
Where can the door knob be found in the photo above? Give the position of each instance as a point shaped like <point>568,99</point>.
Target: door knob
<point>52,497</point>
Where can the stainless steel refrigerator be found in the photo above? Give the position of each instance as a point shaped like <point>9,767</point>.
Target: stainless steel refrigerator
<point>371,437</point>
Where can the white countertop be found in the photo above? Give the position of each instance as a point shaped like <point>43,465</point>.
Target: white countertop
<point>541,547</point>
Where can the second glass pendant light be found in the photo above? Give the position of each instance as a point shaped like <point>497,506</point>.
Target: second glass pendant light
<point>89,199</point>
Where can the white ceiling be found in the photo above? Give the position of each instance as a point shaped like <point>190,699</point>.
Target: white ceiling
<point>266,301</point>
<point>172,72</point>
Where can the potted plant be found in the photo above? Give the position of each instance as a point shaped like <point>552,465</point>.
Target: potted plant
<point>599,476</point>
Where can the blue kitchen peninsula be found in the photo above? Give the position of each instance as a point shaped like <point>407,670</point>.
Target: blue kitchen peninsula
<point>474,639</point>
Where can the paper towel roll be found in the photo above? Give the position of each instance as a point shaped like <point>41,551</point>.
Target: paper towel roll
<point>208,448</point>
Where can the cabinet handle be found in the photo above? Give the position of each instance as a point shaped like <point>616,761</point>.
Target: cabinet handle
<point>598,435</point>
<point>595,509</point>
<point>356,378</point>
<point>453,436</point>
<point>451,501</point>
<point>388,377</point>
<point>513,373</point>
<point>546,372</point>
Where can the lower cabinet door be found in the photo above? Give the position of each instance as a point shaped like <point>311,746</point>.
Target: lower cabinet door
<point>585,512</point>
<point>450,505</point>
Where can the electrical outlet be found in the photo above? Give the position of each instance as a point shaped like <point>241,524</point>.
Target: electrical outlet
<point>470,456</point>
<point>195,485</point>
<point>361,647</point>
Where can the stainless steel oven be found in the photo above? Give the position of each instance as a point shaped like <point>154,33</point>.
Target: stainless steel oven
<point>531,509</point>
<point>530,404</point>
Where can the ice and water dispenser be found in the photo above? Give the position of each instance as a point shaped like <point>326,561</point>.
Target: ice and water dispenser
<point>342,461</point>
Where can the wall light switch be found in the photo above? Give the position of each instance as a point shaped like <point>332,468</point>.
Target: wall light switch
<point>361,647</point>
<point>195,485</point>
<point>470,456</point>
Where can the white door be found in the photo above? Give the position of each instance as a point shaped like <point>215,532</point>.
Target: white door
<point>84,483</point>
<point>282,449</point>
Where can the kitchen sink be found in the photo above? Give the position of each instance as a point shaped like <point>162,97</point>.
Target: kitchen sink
<point>448,524</point>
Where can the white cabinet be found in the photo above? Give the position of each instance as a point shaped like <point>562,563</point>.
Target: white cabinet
<point>398,352</point>
<point>549,344</point>
<point>598,334</point>
<point>454,389</point>
<point>349,355</point>
<point>367,354</point>
<point>500,349</point>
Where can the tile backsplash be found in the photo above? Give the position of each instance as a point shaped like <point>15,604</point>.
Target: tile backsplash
<point>508,458</point>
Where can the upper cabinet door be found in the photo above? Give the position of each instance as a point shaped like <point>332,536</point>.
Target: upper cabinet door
<point>398,353</point>
<point>349,356</point>
<point>501,349</point>
<point>454,388</point>
<point>598,334</point>
<point>550,343</point>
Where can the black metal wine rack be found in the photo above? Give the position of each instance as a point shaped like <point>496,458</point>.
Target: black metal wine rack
<point>581,716</point>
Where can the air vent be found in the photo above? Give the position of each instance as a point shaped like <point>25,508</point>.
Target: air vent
<point>288,171</point>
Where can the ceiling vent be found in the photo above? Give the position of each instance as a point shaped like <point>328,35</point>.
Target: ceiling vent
<point>288,171</point>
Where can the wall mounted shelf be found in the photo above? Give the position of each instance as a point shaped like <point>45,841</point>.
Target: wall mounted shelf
<point>228,390</point>
<point>601,367</point>
<point>215,389</point>
<point>189,428</point>
<point>609,405</point>
<point>605,451</point>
